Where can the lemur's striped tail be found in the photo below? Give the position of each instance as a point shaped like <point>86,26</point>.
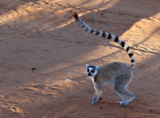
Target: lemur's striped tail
<point>108,36</point>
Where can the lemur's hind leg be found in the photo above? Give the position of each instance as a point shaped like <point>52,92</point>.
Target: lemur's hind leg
<point>97,94</point>
<point>121,84</point>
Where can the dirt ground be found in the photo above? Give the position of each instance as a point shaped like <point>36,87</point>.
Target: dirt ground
<point>44,52</point>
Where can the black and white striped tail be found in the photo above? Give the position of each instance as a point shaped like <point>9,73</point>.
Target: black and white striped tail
<point>108,36</point>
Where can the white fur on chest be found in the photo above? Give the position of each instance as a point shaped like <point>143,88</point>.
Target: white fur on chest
<point>92,79</point>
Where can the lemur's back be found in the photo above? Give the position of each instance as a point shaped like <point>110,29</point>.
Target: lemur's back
<point>112,70</point>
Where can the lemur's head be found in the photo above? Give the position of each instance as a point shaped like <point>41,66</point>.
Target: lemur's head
<point>92,70</point>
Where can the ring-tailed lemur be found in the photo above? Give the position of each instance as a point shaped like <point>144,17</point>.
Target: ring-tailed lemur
<point>116,72</point>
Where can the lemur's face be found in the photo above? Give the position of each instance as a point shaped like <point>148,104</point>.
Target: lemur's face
<point>92,70</point>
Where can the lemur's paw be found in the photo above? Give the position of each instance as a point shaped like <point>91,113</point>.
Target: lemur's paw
<point>91,103</point>
<point>121,102</point>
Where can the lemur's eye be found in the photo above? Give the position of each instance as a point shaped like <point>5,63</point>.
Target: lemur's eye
<point>87,70</point>
<point>92,71</point>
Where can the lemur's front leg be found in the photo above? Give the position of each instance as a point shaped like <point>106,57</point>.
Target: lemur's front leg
<point>97,94</point>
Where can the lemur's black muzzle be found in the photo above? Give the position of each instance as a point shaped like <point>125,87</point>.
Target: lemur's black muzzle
<point>89,74</point>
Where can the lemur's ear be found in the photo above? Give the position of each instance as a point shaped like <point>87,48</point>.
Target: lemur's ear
<point>87,65</point>
<point>97,67</point>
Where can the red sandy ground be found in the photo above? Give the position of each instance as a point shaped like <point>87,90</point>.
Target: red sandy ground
<point>44,52</point>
